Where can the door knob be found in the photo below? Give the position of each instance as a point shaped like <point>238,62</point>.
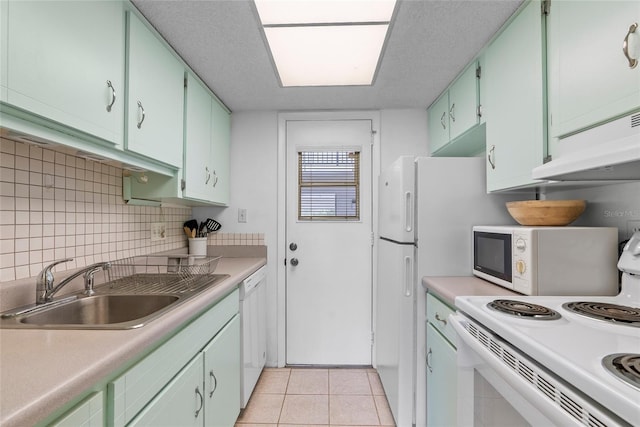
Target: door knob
<point>293,246</point>
<point>294,261</point>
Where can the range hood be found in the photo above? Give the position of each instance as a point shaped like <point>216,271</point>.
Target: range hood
<point>608,152</point>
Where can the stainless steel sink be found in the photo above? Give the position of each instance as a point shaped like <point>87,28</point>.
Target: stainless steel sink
<point>125,303</point>
<point>102,310</point>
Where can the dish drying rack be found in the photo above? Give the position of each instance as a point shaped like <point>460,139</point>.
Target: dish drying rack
<point>160,274</point>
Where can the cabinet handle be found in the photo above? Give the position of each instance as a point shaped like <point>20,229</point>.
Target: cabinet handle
<point>141,109</point>
<point>113,95</point>
<point>214,385</point>
<point>206,181</point>
<point>491,156</point>
<point>215,178</point>
<point>440,319</point>
<point>429,353</point>
<point>444,125</point>
<point>625,46</point>
<point>452,112</point>
<point>201,401</point>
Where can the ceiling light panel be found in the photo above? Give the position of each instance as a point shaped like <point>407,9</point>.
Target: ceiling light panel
<point>325,42</point>
<point>277,12</point>
<point>326,55</point>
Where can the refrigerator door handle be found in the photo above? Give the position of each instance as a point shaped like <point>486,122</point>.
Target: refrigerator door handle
<point>408,275</point>
<point>408,211</point>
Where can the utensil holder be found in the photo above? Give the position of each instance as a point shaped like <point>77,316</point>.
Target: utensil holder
<point>198,247</point>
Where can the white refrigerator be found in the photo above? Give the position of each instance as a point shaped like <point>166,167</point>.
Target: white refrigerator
<point>427,206</point>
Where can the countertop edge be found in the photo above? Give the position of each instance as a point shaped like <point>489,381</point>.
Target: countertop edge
<point>447,288</point>
<point>35,399</point>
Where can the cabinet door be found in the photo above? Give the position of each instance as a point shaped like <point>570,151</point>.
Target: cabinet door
<point>514,108</point>
<point>221,136</point>
<point>590,80</point>
<point>197,145</point>
<point>89,413</point>
<point>222,376</point>
<point>180,403</point>
<point>463,103</point>
<point>441,380</point>
<point>155,97</point>
<point>65,62</point>
<point>439,123</point>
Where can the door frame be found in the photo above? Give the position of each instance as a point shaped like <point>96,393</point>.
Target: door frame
<point>281,255</point>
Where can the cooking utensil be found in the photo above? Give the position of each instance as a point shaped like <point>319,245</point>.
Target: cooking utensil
<point>192,224</point>
<point>202,233</point>
<point>187,231</point>
<point>212,225</point>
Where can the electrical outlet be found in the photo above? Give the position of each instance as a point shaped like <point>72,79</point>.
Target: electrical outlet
<point>632,227</point>
<point>242,215</point>
<point>158,231</point>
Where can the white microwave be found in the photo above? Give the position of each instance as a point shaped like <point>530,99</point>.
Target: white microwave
<point>548,260</point>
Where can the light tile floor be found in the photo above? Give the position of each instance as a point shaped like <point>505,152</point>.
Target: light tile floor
<point>291,397</point>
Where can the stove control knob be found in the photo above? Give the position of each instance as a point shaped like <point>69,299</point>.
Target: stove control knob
<point>521,244</point>
<point>521,267</point>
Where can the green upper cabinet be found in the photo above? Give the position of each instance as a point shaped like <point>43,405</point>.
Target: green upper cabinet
<point>438,116</point>
<point>221,136</point>
<point>590,80</point>
<point>64,61</point>
<point>206,145</point>
<point>454,114</point>
<point>155,98</point>
<point>197,141</point>
<point>515,105</point>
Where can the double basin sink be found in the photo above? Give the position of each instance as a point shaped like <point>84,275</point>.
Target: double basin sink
<point>123,304</point>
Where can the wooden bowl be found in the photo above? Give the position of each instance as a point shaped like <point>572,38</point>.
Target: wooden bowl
<point>546,212</point>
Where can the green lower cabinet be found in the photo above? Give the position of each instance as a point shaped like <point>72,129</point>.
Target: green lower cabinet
<point>222,377</point>
<point>89,413</point>
<point>441,380</point>
<point>180,403</point>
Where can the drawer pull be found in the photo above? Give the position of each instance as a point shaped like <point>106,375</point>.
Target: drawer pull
<point>625,46</point>
<point>113,96</point>
<point>440,319</point>
<point>201,401</point>
<point>214,384</point>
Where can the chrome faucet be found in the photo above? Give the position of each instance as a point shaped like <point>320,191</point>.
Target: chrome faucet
<point>44,284</point>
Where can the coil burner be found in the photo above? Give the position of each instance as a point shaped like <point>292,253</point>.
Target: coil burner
<point>625,366</point>
<point>523,309</point>
<point>619,314</point>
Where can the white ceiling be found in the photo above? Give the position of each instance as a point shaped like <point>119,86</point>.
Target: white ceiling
<point>430,42</point>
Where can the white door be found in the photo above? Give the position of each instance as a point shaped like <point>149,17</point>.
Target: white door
<point>329,243</point>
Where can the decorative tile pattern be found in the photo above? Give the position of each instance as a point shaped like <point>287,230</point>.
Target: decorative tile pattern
<point>54,205</point>
<point>228,239</point>
<point>317,397</point>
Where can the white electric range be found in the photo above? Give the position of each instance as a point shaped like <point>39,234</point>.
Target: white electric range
<point>556,360</point>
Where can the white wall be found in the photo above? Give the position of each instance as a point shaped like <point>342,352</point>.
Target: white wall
<point>254,173</point>
<point>403,133</point>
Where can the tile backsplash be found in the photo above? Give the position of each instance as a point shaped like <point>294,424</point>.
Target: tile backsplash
<point>55,205</point>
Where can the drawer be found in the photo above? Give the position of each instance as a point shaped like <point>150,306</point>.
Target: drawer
<point>438,315</point>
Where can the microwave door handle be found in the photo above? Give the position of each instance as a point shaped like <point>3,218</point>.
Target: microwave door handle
<point>408,276</point>
<point>408,211</point>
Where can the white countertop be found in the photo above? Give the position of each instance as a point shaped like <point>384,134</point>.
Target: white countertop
<point>448,288</point>
<point>42,370</point>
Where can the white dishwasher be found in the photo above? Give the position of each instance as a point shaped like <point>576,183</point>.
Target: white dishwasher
<point>253,326</point>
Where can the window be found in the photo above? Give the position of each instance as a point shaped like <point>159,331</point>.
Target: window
<point>329,186</point>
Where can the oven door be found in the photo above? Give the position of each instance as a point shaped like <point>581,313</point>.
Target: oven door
<point>497,385</point>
